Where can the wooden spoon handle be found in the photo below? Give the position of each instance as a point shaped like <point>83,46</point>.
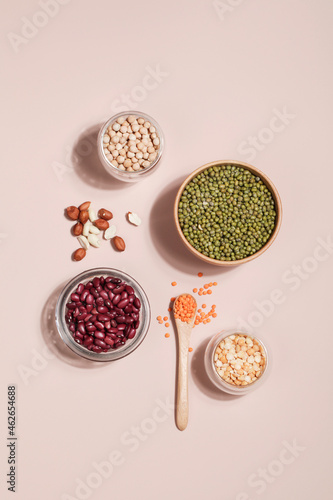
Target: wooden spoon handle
<point>182,386</point>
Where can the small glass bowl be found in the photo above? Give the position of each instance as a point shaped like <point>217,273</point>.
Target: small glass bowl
<point>221,384</point>
<point>112,354</point>
<point>123,175</point>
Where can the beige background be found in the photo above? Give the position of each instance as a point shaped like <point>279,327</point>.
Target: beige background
<point>225,71</point>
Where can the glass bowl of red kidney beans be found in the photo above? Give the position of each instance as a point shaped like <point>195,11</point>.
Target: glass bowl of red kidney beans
<point>103,314</point>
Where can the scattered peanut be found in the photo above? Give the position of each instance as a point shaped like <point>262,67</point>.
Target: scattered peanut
<point>77,229</point>
<point>101,224</point>
<point>72,213</point>
<point>105,214</point>
<point>119,243</point>
<point>79,254</point>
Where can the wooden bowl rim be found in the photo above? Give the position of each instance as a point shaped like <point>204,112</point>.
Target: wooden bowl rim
<point>267,182</point>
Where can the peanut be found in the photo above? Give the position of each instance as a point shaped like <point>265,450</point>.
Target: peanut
<point>85,205</point>
<point>79,254</point>
<point>105,214</point>
<point>101,224</point>
<point>119,243</point>
<point>77,229</point>
<point>83,216</point>
<point>72,212</point>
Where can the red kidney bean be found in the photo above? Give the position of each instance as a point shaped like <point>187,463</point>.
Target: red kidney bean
<point>131,299</point>
<point>115,280</point>
<point>82,309</point>
<point>100,343</point>
<point>109,341</point>
<point>81,328</point>
<point>102,309</point>
<point>103,294</point>
<point>129,290</point>
<point>102,280</point>
<point>120,319</point>
<point>99,335</point>
<point>103,317</point>
<point>116,299</point>
<point>131,333</point>
<point>112,331</point>
<point>82,316</point>
<point>111,295</point>
<point>75,297</point>
<point>128,309</point>
<point>124,295</point>
<point>121,327</point>
<point>94,311</point>
<point>96,348</point>
<point>129,320</point>
<point>135,316</point>
<point>71,306</point>
<point>123,303</point>
<point>118,289</point>
<point>110,286</point>
<point>91,328</point>
<point>137,324</point>
<point>94,292</point>
<point>84,295</point>
<point>137,303</point>
<point>89,299</point>
<point>100,301</point>
<point>78,335</point>
<point>88,341</point>
<point>89,308</point>
<point>135,309</point>
<point>107,325</point>
<point>96,281</point>
<point>72,327</point>
<point>89,285</point>
<point>80,289</point>
<point>87,318</point>
<point>99,325</point>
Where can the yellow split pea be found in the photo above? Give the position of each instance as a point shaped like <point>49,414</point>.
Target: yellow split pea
<point>239,359</point>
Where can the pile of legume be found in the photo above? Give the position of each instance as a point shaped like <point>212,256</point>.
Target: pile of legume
<point>185,307</point>
<point>227,213</point>
<point>239,359</point>
<point>103,314</point>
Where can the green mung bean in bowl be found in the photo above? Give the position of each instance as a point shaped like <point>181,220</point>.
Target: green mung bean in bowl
<point>227,212</point>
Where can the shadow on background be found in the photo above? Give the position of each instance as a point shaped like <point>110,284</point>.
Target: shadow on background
<point>201,379</point>
<point>87,164</point>
<point>53,340</point>
<point>166,239</point>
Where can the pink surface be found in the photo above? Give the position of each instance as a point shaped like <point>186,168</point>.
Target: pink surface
<point>223,75</point>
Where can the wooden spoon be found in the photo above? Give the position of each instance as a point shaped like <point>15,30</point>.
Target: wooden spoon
<point>184,332</point>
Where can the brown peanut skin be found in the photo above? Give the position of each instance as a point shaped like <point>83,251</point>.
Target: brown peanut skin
<point>119,243</point>
<point>79,254</point>
<point>77,229</point>
<point>85,205</point>
<point>101,224</point>
<point>105,214</point>
<point>83,216</point>
<point>72,212</point>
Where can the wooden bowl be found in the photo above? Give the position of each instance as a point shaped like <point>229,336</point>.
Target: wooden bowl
<point>278,209</point>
